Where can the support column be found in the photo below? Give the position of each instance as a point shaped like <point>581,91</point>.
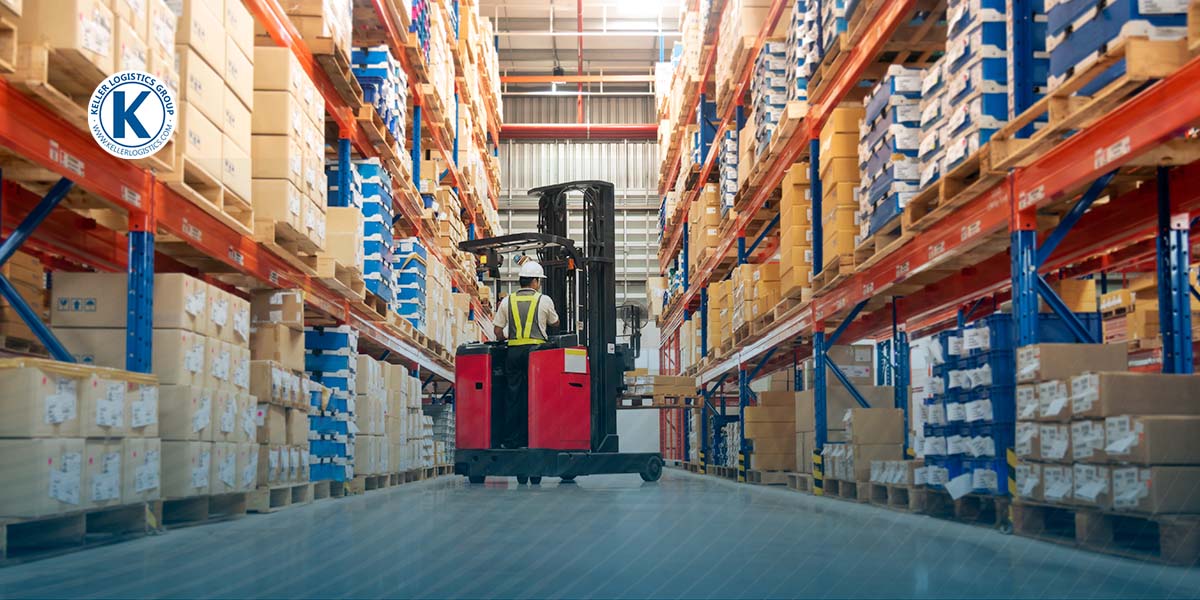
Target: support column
<point>704,322</point>
<point>814,176</point>
<point>819,417</point>
<point>1174,287</point>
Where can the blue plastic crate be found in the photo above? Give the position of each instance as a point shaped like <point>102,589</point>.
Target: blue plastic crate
<point>328,472</point>
<point>982,40</point>
<point>328,425</point>
<point>887,211</point>
<point>990,404</point>
<point>330,339</point>
<point>1075,15</point>
<point>1002,436</point>
<point>982,76</point>
<point>963,14</point>
<point>952,465</point>
<point>316,360</point>
<point>988,475</point>
<point>1051,329</point>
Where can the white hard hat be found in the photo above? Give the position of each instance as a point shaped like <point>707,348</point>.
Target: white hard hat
<point>531,268</point>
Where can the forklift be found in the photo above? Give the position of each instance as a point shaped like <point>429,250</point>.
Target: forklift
<point>576,377</point>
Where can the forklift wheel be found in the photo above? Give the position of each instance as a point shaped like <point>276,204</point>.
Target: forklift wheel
<point>568,479</point>
<point>522,479</point>
<point>653,469</point>
<point>475,479</point>
<point>536,480</point>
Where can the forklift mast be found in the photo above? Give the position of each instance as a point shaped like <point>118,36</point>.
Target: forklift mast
<point>596,296</point>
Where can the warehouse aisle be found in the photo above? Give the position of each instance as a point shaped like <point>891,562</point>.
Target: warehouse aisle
<point>687,536</point>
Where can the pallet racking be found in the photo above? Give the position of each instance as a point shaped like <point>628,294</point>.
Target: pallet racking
<point>129,214</point>
<point>1137,152</point>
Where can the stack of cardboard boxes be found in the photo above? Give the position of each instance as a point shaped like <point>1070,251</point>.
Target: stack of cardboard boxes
<point>1047,441</point>
<point>795,234</point>
<point>214,55</point>
<point>704,225</point>
<point>76,437</point>
<point>840,177</point>
<point>288,149</point>
<point>326,25</point>
<point>770,427</point>
<point>26,275</point>
<point>278,383</point>
<point>755,293</point>
<point>370,418</point>
<point>720,313</point>
<point>857,363</point>
<point>872,434</point>
<point>201,359</point>
<point>1130,444</point>
<point>1131,314</point>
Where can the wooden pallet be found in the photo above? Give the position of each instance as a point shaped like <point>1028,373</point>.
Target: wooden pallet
<point>655,401</point>
<point>1193,21</point>
<point>278,497</point>
<point>185,512</point>
<point>320,490</point>
<point>916,43</point>
<point>766,477</point>
<point>293,246</point>
<point>965,182</point>
<point>377,133</point>
<point>8,45</point>
<point>336,64</point>
<point>801,482</point>
<point>789,123</point>
<point>834,272</point>
<point>1145,61</point>
<point>905,497</point>
<point>20,345</point>
<point>762,324</point>
<point>741,334</point>
<point>881,243</point>
<point>877,493</point>
<point>344,280</point>
<point>362,484</point>
<point>977,509</point>
<point>1171,539</point>
<point>726,86</point>
<point>199,187</point>
<point>26,539</point>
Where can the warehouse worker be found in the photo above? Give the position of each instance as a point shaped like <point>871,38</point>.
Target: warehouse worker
<point>523,318</point>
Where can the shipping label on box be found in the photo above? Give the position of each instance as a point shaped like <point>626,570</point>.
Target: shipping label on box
<point>102,473</point>
<point>1092,485</point>
<point>1029,481</point>
<point>1057,483</point>
<point>1087,440</point>
<point>1055,442</point>
<point>1053,401</point>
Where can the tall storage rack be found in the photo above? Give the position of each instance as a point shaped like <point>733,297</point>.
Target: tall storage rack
<point>957,255</point>
<point>133,199</point>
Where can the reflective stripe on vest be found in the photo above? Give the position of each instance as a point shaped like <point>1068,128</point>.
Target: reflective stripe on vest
<point>522,331</point>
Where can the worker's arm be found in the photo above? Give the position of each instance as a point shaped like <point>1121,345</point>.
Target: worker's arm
<point>551,314</point>
<point>500,323</point>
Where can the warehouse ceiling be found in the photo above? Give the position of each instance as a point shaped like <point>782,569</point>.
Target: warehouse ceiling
<point>621,37</point>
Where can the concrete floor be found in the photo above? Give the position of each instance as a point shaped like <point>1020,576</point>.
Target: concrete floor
<point>613,536</point>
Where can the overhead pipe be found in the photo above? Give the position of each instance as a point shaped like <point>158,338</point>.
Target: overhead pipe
<point>578,131</point>
<point>579,70</point>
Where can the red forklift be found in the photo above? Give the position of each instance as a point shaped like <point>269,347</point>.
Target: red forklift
<point>576,377</point>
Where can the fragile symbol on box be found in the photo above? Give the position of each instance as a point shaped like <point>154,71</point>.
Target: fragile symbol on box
<point>77,305</point>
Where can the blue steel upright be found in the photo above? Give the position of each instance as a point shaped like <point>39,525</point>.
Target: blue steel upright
<point>139,326</point>
<point>1174,287</point>
<point>820,420</point>
<point>814,176</point>
<point>704,322</point>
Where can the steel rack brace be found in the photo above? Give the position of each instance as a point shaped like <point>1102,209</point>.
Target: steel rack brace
<point>774,222</point>
<point>9,246</point>
<point>821,362</point>
<point>901,372</point>
<point>706,118</point>
<point>1028,258</point>
<point>1172,263</point>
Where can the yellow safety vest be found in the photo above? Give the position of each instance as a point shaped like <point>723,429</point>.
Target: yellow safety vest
<point>522,330</point>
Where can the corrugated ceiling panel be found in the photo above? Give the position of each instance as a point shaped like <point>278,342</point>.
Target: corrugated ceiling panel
<point>596,109</point>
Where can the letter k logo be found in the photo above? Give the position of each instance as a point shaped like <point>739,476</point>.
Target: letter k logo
<point>124,114</point>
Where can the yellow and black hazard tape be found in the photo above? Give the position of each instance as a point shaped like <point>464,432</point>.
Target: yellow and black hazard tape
<point>818,475</point>
<point>1011,457</point>
<point>741,467</point>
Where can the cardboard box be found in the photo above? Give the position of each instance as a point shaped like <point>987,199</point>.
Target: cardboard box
<point>271,383</point>
<point>1054,443</point>
<point>219,308</point>
<point>268,465</point>
<point>1121,393</point>
<point>1152,440</point>
<point>89,300</point>
<point>279,113</point>
<point>272,424</point>
<point>235,170</point>
<point>239,72</point>
<point>1027,444</point>
<point>203,86</point>
<point>202,139</point>
<point>278,307</point>
<point>1092,485</point>
<point>203,29</point>
<point>239,26</point>
<point>277,157</point>
<point>186,412</point>
<point>227,410</point>
<point>279,201</point>
<point>1028,403</point>
<point>225,472</point>
<point>247,462</point>
<point>162,25</point>
<point>1058,483</point>
<point>1054,401</point>
<point>297,427</point>
<point>219,364</point>
<point>1156,490</point>
<point>278,343</point>
<point>1088,441</point>
<point>1043,362</point>
<point>837,401</point>
<point>180,302</point>
<point>135,15</point>
<point>102,407</point>
<point>874,425</point>
<point>1029,481</point>
<point>102,473</point>
<point>39,402</point>
<point>50,472</point>
<point>344,236</point>
<point>761,429</point>
<point>804,452</point>
<point>86,26</point>
<point>141,473</point>
<point>857,461</point>
<point>276,68</point>
<point>773,461</point>
<point>132,53</point>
